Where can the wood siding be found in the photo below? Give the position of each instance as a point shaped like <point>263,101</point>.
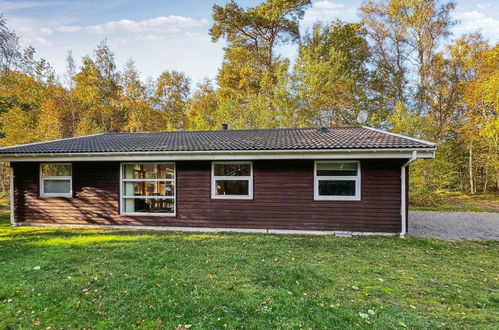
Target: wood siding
<point>283,198</point>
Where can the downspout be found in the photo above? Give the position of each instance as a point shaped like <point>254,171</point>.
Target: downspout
<point>403,204</point>
<point>11,195</point>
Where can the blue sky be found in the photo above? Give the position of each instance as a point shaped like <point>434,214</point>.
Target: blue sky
<point>173,34</point>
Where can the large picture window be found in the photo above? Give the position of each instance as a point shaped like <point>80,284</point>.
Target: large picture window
<point>337,180</point>
<point>148,188</point>
<point>232,180</point>
<point>56,180</point>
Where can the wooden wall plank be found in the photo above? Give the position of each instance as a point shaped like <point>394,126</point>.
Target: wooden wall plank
<point>283,198</point>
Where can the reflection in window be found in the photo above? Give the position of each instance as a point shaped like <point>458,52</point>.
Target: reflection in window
<point>55,180</point>
<point>232,180</point>
<point>232,187</point>
<point>148,188</point>
<point>337,180</point>
<point>149,205</point>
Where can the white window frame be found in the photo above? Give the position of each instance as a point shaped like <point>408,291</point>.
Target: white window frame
<point>123,197</point>
<point>56,178</point>
<point>355,178</point>
<point>214,179</point>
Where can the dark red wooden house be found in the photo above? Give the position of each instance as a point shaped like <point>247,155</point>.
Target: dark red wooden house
<point>347,180</point>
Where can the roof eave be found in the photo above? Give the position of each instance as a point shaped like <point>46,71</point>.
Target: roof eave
<point>224,155</point>
<point>429,143</point>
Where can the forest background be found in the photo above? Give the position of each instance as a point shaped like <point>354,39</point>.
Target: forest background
<point>399,62</point>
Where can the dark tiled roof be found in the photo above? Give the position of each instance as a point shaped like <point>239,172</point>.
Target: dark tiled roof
<point>225,140</point>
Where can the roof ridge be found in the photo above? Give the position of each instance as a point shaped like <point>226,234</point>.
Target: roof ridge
<point>235,130</point>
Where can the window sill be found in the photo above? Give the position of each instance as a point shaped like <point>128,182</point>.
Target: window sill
<point>235,197</point>
<point>145,214</point>
<point>56,196</point>
<point>336,199</point>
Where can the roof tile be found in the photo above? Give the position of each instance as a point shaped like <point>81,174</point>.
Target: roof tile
<point>225,140</point>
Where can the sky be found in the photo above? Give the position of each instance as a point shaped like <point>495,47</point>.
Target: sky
<point>173,34</point>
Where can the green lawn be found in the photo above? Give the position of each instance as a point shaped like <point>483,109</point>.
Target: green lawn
<point>121,279</point>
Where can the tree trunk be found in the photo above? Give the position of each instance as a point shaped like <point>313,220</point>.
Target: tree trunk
<point>486,179</point>
<point>470,169</point>
<point>3,174</point>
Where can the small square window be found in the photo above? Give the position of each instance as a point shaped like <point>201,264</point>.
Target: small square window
<point>56,180</point>
<point>232,180</point>
<point>337,180</point>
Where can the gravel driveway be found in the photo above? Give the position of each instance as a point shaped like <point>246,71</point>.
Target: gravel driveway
<point>454,225</point>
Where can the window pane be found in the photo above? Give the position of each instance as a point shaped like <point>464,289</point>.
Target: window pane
<point>232,169</point>
<point>337,188</point>
<point>149,205</point>
<point>56,186</point>
<point>56,169</point>
<point>149,171</point>
<point>232,187</point>
<point>337,169</point>
<point>158,188</point>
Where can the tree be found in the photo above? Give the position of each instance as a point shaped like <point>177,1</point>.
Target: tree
<point>481,123</point>
<point>39,69</point>
<point>89,95</point>
<point>9,47</point>
<point>141,117</point>
<point>404,37</point>
<point>70,85</point>
<point>171,98</point>
<point>202,107</point>
<point>249,71</point>
<point>50,124</point>
<point>17,127</point>
<point>259,28</point>
<point>332,71</point>
<point>452,69</point>
<point>97,91</point>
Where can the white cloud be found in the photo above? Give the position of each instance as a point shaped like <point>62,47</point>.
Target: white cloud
<point>472,21</point>
<point>10,6</point>
<point>46,31</point>
<point>170,23</point>
<point>326,11</point>
<point>483,5</point>
<point>41,41</point>
<point>149,37</point>
<point>29,29</point>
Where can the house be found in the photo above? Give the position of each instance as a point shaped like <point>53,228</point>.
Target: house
<point>347,180</point>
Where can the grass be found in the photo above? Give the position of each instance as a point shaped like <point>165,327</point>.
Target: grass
<point>459,202</point>
<point>121,279</point>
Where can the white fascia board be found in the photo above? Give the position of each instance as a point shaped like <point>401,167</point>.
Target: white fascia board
<point>430,144</point>
<point>226,155</point>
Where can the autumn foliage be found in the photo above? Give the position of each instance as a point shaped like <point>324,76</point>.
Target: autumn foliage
<point>400,62</point>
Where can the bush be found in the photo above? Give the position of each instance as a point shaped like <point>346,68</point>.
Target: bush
<point>425,198</point>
